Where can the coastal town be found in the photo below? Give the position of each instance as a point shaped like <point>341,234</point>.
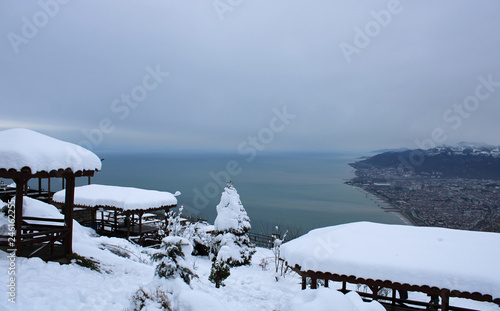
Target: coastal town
<point>429,199</point>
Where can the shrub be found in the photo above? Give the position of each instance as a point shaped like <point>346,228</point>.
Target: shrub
<point>172,263</point>
<point>218,273</point>
<point>84,262</point>
<point>143,300</point>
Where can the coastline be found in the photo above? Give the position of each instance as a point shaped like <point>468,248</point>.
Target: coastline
<point>407,220</point>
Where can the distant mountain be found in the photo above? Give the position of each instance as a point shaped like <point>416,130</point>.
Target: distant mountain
<point>464,160</point>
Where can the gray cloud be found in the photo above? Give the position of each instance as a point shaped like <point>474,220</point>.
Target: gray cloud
<point>226,76</point>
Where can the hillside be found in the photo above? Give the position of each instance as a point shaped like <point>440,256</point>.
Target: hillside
<point>461,161</point>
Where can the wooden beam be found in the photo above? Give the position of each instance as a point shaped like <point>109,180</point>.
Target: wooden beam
<point>140,224</point>
<point>445,300</point>
<point>68,213</point>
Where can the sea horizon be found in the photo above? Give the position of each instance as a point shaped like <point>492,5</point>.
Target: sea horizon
<point>296,190</point>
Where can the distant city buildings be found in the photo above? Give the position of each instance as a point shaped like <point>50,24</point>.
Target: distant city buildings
<point>429,200</point>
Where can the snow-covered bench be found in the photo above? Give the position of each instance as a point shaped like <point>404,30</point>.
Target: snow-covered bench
<point>439,262</point>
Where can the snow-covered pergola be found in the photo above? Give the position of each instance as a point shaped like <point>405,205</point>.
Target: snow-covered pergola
<point>437,261</point>
<point>26,154</point>
<point>124,202</point>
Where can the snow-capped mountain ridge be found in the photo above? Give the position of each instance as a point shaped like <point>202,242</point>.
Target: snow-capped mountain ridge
<point>464,148</point>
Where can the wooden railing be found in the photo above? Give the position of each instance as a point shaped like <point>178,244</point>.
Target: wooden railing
<point>45,232</point>
<point>375,286</point>
<point>262,240</point>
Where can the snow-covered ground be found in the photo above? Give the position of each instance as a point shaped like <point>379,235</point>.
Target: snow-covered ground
<point>126,267</point>
<point>50,286</point>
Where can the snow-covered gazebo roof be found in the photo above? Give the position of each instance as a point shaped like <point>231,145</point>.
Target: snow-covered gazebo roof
<point>120,198</point>
<point>26,154</point>
<point>456,260</point>
<point>22,149</point>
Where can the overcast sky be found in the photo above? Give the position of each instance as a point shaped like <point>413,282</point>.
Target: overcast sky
<point>294,75</point>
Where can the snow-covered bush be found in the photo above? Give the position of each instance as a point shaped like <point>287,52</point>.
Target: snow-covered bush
<point>195,232</point>
<point>231,228</point>
<point>174,226</point>
<point>154,300</point>
<point>218,273</point>
<point>172,259</point>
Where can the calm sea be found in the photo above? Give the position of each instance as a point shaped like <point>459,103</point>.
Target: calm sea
<point>297,190</point>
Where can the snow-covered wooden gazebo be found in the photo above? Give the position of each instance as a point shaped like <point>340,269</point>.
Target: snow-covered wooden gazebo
<point>120,211</point>
<point>26,154</point>
<point>439,262</point>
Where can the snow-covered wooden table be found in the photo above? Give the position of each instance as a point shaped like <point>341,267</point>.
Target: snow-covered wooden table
<point>437,261</point>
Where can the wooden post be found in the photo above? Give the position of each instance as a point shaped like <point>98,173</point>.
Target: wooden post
<point>19,213</point>
<point>304,282</point>
<point>49,186</point>
<point>116,222</point>
<point>445,299</point>
<point>68,212</point>
<point>344,287</point>
<point>375,290</point>
<point>314,283</point>
<point>141,213</point>
<point>94,218</point>
<point>102,219</point>
<point>128,224</point>
<point>326,282</point>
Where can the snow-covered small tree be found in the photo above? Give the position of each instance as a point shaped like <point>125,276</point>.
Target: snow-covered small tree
<point>174,226</point>
<point>232,244</point>
<point>172,259</point>
<point>218,273</point>
<point>194,231</point>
